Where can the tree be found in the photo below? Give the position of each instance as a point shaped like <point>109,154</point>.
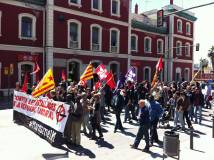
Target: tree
<point>203,63</point>
<point>211,55</point>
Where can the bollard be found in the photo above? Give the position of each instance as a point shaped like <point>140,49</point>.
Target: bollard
<point>191,139</point>
<point>213,127</point>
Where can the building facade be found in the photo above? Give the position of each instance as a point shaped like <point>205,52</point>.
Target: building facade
<point>68,35</point>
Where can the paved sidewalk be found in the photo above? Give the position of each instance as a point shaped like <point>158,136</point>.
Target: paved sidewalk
<point>19,143</point>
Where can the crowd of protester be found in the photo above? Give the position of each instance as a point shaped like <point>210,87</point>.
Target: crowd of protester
<point>147,105</point>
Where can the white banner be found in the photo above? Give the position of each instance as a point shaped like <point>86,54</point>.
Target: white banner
<point>52,113</point>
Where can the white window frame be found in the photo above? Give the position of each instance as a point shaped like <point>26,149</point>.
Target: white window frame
<point>150,45</point>
<point>20,67</point>
<point>178,70</point>
<point>78,4</point>
<point>180,49</point>
<point>187,45</point>
<point>21,15</point>
<point>180,31</point>
<point>118,67</point>
<point>118,40</point>
<point>100,9</point>
<point>162,45</point>
<point>118,14</point>
<point>136,42</point>
<point>188,76</point>
<point>100,36</point>
<point>77,61</point>
<point>188,24</point>
<point>144,73</point>
<point>79,32</point>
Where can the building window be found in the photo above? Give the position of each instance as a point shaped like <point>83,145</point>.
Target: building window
<point>96,5</point>
<point>27,26</point>
<point>160,46</point>
<point>186,74</point>
<point>179,25</point>
<point>26,68</point>
<point>178,74</point>
<point>96,38</point>
<point>114,40</point>
<point>115,7</point>
<point>74,34</point>
<point>115,68</point>
<point>188,28</point>
<point>178,48</point>
<point>147,74</point>
<point>147,45</point>
<point>75,2</point>
<point>74,70</point>
<point>134,42</point>
<point>187,49</point>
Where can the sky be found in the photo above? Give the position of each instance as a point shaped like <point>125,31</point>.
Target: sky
<point>204,26</point>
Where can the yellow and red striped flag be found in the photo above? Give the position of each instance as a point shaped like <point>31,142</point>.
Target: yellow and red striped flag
<point>88,73</point>
<point>46,84</point>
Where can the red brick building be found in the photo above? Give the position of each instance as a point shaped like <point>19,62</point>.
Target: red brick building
<point>68,34</point>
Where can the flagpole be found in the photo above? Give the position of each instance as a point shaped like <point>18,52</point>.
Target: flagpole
<point>195,75</point>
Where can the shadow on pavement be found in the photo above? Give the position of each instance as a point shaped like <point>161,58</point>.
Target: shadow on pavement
<point>54,156</point>
<point>103,143</point>
<point>155,155</point>
<point>205,125</point>
<point>81,151</point>
<point>126,133</point>
<point>198,151</point>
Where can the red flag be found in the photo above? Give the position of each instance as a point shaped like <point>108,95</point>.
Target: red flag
<point>101,72</point>
<point>110,80</point>
<point>63,76</point>
<point>35,71</point>
<point>159,65</point>
<point>97,86</point>
<point>24,87</point>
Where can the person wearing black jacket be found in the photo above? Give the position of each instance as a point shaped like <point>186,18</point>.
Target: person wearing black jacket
<point>144,126</point>
<point>119,103</point>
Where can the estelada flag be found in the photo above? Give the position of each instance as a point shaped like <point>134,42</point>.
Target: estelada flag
<point>88,73</point>
<point>46,84</point>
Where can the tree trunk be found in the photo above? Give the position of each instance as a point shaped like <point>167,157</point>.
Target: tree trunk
<point>212,61</point>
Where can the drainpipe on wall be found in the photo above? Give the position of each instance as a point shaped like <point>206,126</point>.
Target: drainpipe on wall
<point>129,35</point>
<point>49,33</point>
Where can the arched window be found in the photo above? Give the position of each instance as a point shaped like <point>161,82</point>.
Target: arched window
<point>134,42</point>
<point>114,40</point>
<point>27,26</point>
<point>178,48</point>
<point>74,69</point>
<point>147,45</point>
<point>74,34</point>
<point>179,25</point>
<point>159,46</point>
<point>188,28</point>
<point>96,37</point>
<point>75,2</point>
<point>187,74</point>
<point>178,74</point>
<point>187,49</point>
<point>115,68</point>
<point>26,68</point>
<point>147,73</point>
